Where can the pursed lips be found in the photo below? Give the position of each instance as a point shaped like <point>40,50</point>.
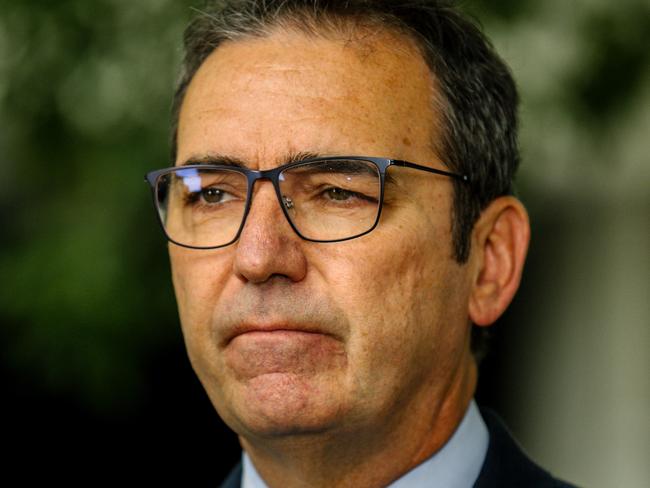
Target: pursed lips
<point>255,350</point>
<point>282,327</point>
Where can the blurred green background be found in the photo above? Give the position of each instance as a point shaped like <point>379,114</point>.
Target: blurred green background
<point>90,342</point>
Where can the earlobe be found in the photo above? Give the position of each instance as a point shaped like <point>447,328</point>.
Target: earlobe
<point>499,247</point>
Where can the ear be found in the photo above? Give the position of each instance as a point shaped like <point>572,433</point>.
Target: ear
<point>499,245</point>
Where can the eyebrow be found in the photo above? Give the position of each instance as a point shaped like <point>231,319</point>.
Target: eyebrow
<point>214,160</point>
<point>223,160</point>
<point>292,157</point>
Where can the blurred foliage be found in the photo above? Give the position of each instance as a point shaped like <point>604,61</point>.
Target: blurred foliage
<point>85,90</point>
<point>84,100</point>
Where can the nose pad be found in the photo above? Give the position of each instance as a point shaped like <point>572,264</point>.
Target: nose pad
<point>288,202</point>
<point>265,212</point>
<point>268,246</point>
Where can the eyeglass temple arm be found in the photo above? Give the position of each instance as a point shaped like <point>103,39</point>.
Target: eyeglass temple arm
<point>406,164</point>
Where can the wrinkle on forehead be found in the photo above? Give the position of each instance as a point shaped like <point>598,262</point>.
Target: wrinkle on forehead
<point>384,51</point>
<point>341,83</point>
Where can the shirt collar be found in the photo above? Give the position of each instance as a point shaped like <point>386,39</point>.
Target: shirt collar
<point>456,465</point>
<point>250,477</point>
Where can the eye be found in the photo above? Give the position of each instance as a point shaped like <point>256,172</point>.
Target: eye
<point>215,195</point>
<point>339,194</point>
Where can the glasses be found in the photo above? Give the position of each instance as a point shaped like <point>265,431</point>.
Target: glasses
<point>331,199</point>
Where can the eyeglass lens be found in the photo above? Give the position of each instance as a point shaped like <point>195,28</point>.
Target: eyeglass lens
<point>324,200</point>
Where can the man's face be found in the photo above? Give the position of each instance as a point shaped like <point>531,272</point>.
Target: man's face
<point>294,337</point>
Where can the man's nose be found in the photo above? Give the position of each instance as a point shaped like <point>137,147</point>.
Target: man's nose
<point>267,245</point>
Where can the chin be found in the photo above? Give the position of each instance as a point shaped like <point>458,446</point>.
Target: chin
<point>279,404</point>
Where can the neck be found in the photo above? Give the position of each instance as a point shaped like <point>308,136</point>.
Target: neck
<point>360,458</point>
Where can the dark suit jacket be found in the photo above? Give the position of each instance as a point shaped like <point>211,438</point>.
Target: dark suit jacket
<point>505,463</point>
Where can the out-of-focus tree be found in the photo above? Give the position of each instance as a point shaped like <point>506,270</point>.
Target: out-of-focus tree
<point>84,101</point>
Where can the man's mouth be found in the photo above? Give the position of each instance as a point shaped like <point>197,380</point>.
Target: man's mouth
<point>256,350</point>
<point>278,328</point>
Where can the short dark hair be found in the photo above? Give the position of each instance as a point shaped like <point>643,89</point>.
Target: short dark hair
<point>477,100</point>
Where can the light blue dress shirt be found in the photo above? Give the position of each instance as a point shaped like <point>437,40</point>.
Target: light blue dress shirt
<point>456,465</point>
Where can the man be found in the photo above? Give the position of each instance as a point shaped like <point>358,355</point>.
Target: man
<point>341,216</point>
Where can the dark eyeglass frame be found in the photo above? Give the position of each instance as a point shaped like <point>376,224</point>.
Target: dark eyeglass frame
<point>273,175</point>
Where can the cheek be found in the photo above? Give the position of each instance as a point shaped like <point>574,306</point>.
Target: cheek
<point>396,288</point>
<point>198,276</point>
<point>389,294</point>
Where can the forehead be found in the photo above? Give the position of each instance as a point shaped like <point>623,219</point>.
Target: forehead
<point>289,92</point>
